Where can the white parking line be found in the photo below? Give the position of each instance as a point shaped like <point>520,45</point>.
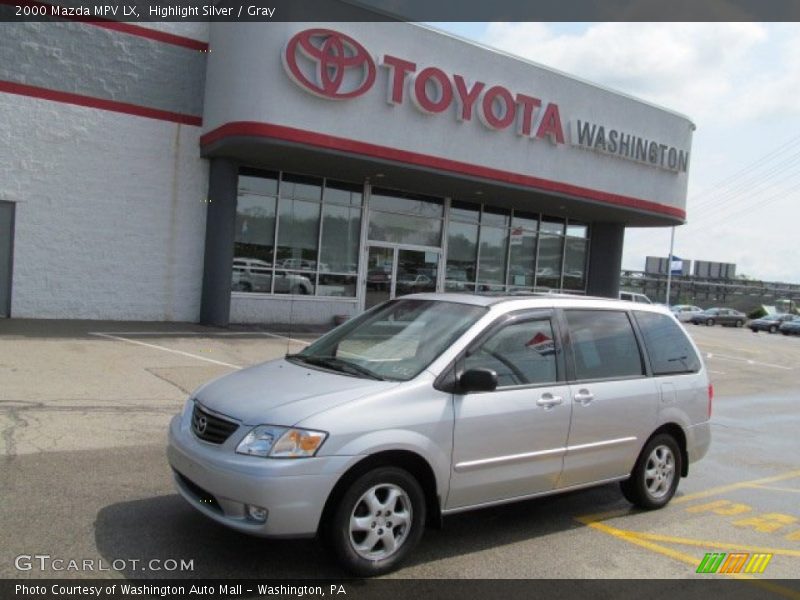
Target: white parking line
<point>748,361</point>
<point>203,333</point>
<point>164,349</point>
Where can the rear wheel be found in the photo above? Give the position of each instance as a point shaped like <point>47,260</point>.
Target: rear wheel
<point>656,474</point>
<point>739,323</point>
<point>378,521</point>
<point>710,322</point>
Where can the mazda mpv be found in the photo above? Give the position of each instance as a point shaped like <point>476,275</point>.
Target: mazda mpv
<point>433,404</point>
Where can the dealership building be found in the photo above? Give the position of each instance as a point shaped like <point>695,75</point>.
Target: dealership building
<point>295,172</point>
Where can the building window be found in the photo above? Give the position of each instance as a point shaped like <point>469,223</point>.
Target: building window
<point>402,218</point>
<point>501,250</point>
<point>551,249</point>
<point>493,249</point>
<point>575,253</point>
<point>522,256</point>
<point>462,247</point>
<point>316,224</point>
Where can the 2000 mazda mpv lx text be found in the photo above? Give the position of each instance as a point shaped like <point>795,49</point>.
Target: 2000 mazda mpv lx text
<point>433,404</point>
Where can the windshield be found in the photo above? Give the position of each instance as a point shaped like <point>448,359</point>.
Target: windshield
<point>395,340</point>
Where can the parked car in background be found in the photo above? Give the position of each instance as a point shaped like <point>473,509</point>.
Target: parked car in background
<point>771,323</point>
<point>410,283</point>
<point>790,327</point>
<point>435,404</point>
<point>634,297</point>
<point>254,275</point>
<point>722,316</point>
<point>685,312</point>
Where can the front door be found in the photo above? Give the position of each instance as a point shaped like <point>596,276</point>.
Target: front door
<point>510,443</point>
<point>396,271</point>
<point>6,248</point>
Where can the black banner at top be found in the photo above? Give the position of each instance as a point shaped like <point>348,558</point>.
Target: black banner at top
<point>405,10</point>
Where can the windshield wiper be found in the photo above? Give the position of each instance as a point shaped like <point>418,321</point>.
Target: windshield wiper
<point>337,364</point>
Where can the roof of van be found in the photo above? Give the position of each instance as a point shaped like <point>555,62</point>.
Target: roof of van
<point>533,300</point>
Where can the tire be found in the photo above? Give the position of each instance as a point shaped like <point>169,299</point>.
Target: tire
<point>357,536</point>
<point>656,475</point>
<point>298,290</point>
<point>710,323</point>
<point>773,328</point>
<point>243,286</point>
<point>739,323</point>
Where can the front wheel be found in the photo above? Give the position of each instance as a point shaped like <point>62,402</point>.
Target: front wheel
<point>710,322</point>
<point>739,323</point>
<point>378,521</point>
<point>656,474</point>
<point>773,328</point>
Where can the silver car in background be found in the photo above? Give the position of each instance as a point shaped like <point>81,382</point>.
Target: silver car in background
<point>434,404</point>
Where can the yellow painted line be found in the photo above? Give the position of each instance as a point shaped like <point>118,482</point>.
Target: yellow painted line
<point>735,486</point>
<point>636,539</point>
<point>630,536</point>
<point>655,537</point>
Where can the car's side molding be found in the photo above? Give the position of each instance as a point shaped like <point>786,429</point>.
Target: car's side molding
<point>512,458</point>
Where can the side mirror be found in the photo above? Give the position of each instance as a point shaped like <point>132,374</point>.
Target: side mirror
<point>477,380</point>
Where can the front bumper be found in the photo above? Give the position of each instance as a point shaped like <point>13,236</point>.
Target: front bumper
<point>220,483</point>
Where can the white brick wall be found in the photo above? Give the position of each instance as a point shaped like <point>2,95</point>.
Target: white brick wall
<point>110,218</point>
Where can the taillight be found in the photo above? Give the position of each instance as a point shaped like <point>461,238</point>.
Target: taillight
<point>710,398</point>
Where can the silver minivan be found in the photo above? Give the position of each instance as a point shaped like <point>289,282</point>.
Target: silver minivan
<point>433,404</point>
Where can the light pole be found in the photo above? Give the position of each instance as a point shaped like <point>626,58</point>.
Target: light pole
<point>669,263</point>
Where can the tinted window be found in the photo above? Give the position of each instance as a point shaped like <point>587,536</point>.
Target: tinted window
<point>603,344</point>
<point>667,345</point>
<point>520,353</point>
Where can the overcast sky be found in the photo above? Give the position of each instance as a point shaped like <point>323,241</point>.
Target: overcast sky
<point>739,83</point>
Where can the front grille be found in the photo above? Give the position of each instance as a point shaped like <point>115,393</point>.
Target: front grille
<point>209,427</point>
<point>203,497</point>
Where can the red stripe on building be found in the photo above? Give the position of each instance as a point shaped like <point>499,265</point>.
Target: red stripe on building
<point>129,28</point>
<point>91,102</point>
<point>290,134</point>
<point>151,34</point>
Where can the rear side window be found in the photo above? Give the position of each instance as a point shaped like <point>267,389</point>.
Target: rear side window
<point>667,345</point>
<point>603,344</point>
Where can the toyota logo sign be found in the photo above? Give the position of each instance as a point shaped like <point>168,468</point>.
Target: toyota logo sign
<point>329,64</point>
<point>202,423</point>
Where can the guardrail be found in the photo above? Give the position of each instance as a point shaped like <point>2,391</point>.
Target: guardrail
<point>741,294</point>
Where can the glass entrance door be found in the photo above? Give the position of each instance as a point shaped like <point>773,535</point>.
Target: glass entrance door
<point>380,275</point>
<point>396,271</point>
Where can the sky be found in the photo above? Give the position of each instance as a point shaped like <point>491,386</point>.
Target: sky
<point>739,83</point>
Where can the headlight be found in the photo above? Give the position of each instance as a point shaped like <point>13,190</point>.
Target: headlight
<point>281,442</point>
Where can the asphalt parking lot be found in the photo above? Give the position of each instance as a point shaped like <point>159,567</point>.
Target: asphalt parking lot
<point>84,408</point>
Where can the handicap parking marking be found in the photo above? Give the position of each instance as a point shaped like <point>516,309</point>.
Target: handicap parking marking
<point>745,518</point>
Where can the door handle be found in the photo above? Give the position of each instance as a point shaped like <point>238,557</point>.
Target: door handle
<point>583,397</point>
<point>548,400</point>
